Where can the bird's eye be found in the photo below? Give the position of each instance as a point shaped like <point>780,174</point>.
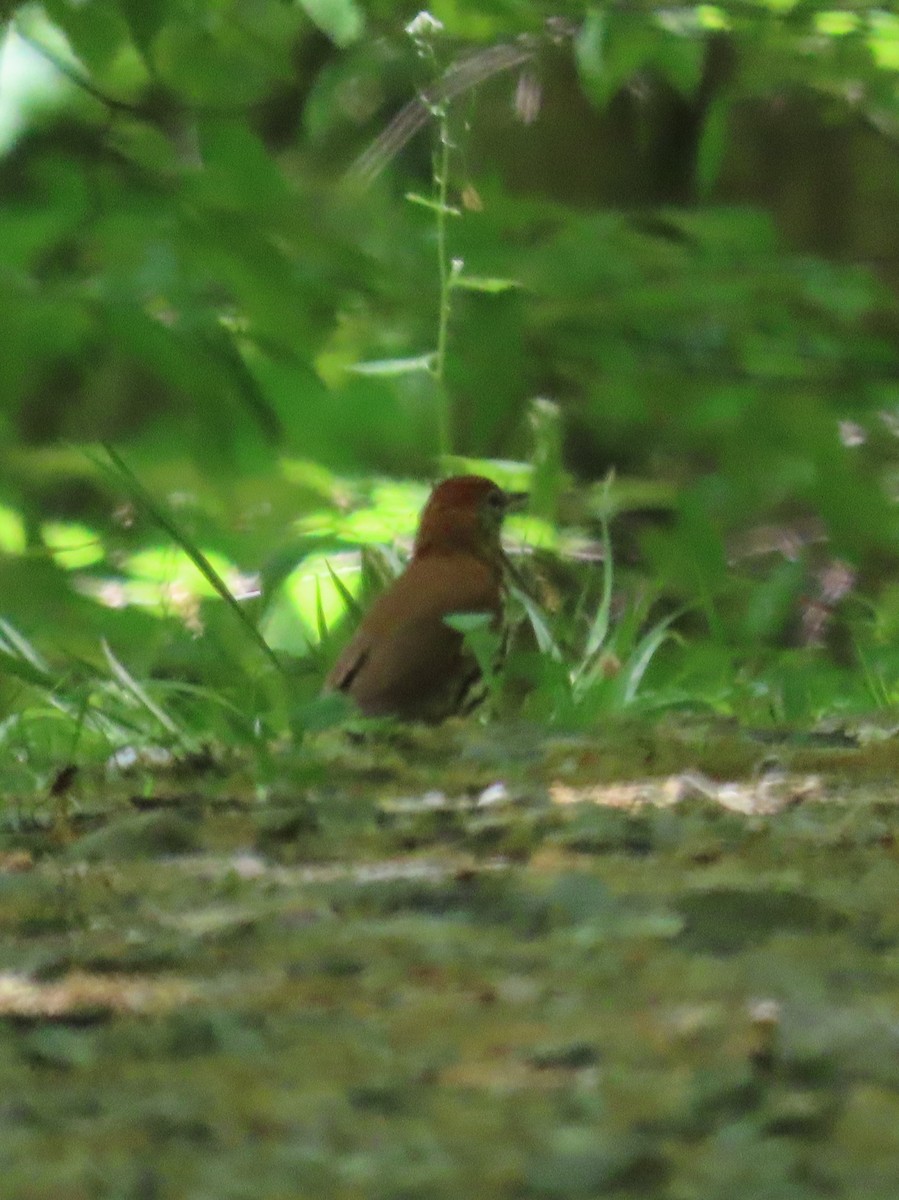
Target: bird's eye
<point>496,499</point>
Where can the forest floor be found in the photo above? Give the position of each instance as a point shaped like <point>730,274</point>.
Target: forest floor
<point>471,962</point>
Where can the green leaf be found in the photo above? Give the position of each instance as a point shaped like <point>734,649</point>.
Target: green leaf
<point>545,640</point>
<point>643,654</point>
<point>599,626</point>
<point>350,602</point>
<point>884,40</point>
<point>24,671</point>
<point>144,18</point>
<point>140,694</point>
<point>395,366</point>
<point>465,622</point>
<point>341,20</point>
<point>433,205</point>
<point>480,283</point>
<point>611,48</point>
<point>679,58</point>
<point>481,638</point>
<point>95,31</point>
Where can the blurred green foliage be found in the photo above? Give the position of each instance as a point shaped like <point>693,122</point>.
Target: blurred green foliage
<point>672,255</point>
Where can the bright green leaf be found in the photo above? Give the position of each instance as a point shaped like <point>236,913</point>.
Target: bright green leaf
<point>341,20</point>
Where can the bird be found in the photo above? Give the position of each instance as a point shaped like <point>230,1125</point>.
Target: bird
<point>404,660</point>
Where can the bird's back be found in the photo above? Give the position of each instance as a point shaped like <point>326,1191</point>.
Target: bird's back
<point>404,660</point>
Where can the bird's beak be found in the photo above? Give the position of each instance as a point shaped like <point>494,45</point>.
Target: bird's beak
<point>516,501</point>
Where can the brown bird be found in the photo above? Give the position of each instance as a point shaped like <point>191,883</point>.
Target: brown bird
<point>404,660</point>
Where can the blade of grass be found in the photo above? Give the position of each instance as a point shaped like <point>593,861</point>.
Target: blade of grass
<point>644,652</point>
<point>874,681</point>
<point>20,669</point>
<point>24,648</point>
<point>130,684</point>
<point>545,640</point>
<point>321,623</point>
<point>599,628</point>
<point>353,607</point>
<point>314,650</point>
<point>24,662</point>
<point>123,473</point>
<point>209,696</point>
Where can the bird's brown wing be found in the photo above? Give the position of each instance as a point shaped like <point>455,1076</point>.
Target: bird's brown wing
<point>352,660</point>
<point>404,660</point>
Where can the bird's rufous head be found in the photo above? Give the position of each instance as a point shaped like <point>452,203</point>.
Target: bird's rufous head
<point>465,513</point>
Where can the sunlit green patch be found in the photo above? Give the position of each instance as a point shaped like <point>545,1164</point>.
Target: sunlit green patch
<point>392,512</point>
<point>169,571</point>
<point>343,349</point>
<point>12,531</point>
<point>836,24</point>
<point>28,80</point>
<point>310,475</point>
<point>711,16</point>
<point>779,6</point>
<point>310,602</point>
<point>72,545</point>
<point>533,531</point>
<point>884,39</point>
<point>511,475</point>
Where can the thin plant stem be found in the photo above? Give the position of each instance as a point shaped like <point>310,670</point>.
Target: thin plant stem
<point>441,179</point>
<point>120,471</point>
